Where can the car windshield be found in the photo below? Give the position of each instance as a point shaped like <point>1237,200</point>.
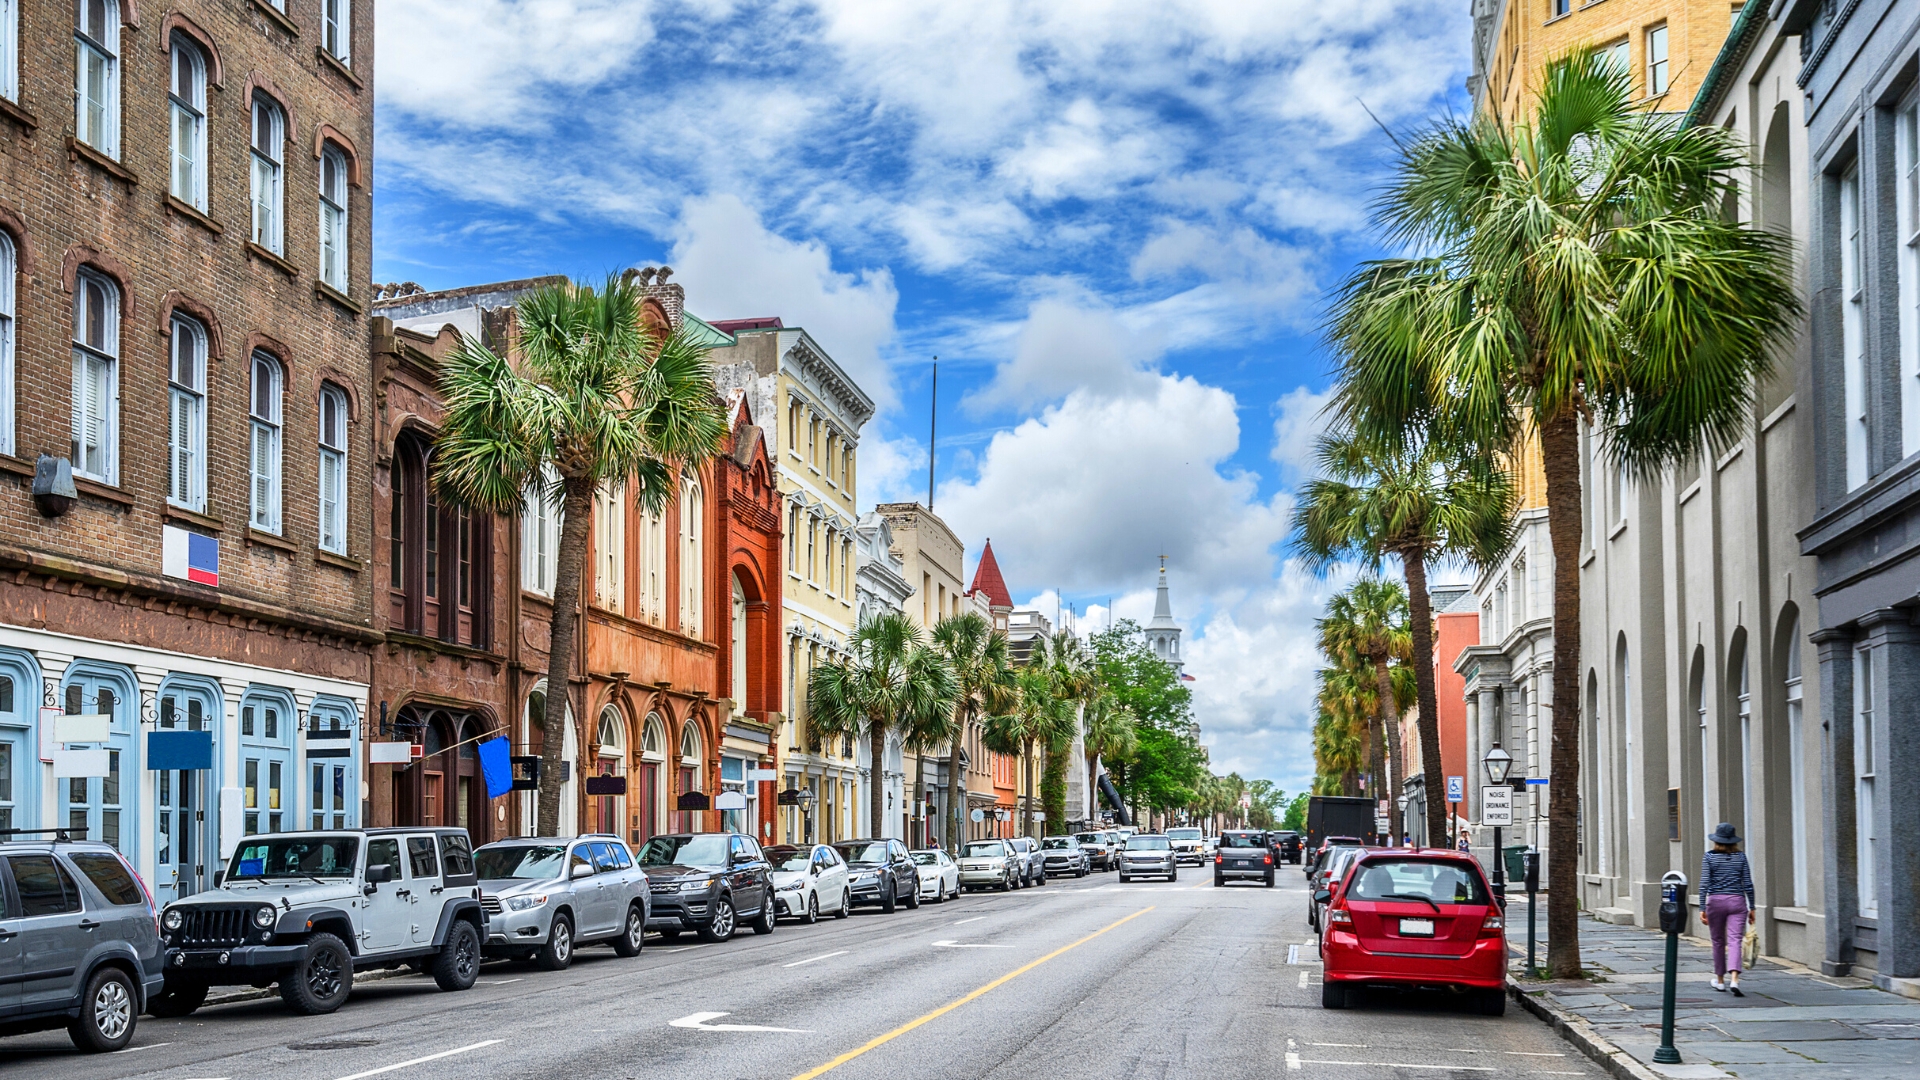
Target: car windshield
<point>1429,881</point>
<point>1147,843</point>
<point>863,854</point>
<point>985,849</point>
<point>786,857</point>
<point>1052,843</point>
<point>1183,834</point>
<point>297,856</point>
<point>1091,838</point>
<point>524,861</point>
<point>705,850</point>
<point>1242,840</point>
<point>926,858</point>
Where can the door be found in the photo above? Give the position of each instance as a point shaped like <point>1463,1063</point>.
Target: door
<point>51,941</point>
<point>387,912</point>
<point>10,960</point>
<point>13,762</point>
<point>743,875</point>
<point>600,907</point>
<point>423,888</point>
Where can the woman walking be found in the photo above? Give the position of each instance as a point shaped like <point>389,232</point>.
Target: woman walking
<point>1726,904</point>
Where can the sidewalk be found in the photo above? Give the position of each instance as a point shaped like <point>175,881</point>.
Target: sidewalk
<point>1793,1022</point>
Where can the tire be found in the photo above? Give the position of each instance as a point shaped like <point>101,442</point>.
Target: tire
<point>320,981</point>
<point>939,892</point>
<point>1492,1003</point>
<point>1333,996</point>
<point>1040,878</point>
<point>1267,881</point>
<point>813,909</point>
<point>557,953</point>
<point>1123,879</point>
<point>1006,884</point>
<point>178,999</point>
<point>109,1010</point>
<point>723,923</point>
<point>1175,876</point>
<point>633,936</point>
<point>888,901</point>
<point>458,963</point>
<point>846,905</point>
<point>1219,882</point>
<point>913,895</point>
<point>764,922</point>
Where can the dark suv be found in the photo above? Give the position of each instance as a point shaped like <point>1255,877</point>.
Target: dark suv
<point>1286,846</point>
<point>79,948</point>
<point>881,872</point>
<point>704,881</point>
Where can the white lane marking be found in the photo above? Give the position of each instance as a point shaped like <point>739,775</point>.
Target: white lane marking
<point>149,1046</point>
<point>503,982</point>
<point>1303,979</point>
<point>950,944</point>
<point>1293,1059</point>
<point>698,1022</point>
<point>822,956</point>
<point>1293,954</point>
<point>1530,1053</point>
<point>964,922</point>
<point>421,1060</point>
<point>1391,1065</point>
<point>1341,1046</point>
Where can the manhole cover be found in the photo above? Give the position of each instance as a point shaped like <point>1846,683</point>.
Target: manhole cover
<point>343,1043</point>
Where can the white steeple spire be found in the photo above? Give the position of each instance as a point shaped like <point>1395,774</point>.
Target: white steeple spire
<point>1163,634</point>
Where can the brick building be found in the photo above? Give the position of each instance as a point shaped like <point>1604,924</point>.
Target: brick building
<point>184,246</point>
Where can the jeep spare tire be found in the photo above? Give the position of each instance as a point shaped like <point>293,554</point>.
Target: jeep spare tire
<point>458,964</point>
<point>320,980</point>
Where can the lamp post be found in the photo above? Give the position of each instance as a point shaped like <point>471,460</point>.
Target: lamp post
<point>1498,764</point>
<point>806,798</point>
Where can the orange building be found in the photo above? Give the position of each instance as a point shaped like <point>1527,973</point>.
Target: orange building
<point>1456,628</point>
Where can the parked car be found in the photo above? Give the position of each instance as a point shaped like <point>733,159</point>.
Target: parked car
<point>939,874</point>
<point>881,872</point>
<point>308,909</point>
<point>988,864</point>
<point>1031,864</point>
<point>1063,856</point>
<point>1099,849</point>
<point>1320,853</point>
<point>1242,854</point>
<point>79,947</point>
<point>1189,846</point>
<point>703,882</point>
<point>1149,855</point>
<point>1338,862</point>
<point>544,896</point>
<point>809,880</point>
<point>1413,917</point>
<point>1286,846</point>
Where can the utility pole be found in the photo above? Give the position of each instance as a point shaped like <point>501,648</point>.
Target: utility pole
<point>933,430</point>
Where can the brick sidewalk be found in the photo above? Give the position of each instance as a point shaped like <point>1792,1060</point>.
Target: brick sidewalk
<point>1793,1022</point>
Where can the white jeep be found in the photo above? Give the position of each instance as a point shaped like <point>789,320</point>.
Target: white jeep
<point>306,910</point>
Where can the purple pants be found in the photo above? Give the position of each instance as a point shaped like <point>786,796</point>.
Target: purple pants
<point>1727,920</point>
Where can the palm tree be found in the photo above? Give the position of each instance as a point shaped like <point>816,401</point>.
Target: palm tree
<point>926,732</point>
<point>1039,717</point>
<point>592,396</point>
<point>1109,733</point>
<point>1075,682</point>
<point>977,655</point>
<point>1369,620</point>
<point>1338,750</point>
<point>1575,266</point>
<point>892,684</point>
<point>1419,500</point>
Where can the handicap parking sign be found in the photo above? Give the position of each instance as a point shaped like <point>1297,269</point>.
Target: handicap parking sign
<point>1456,788</point>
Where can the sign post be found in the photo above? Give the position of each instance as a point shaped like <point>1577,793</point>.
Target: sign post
<point>1456,794</point>
<point>1496,810</point>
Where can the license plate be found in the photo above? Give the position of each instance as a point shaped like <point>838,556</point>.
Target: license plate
<point>1416,927</point>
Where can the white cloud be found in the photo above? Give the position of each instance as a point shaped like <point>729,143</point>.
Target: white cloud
<point>1066,344</point>
<point>1299,418</point>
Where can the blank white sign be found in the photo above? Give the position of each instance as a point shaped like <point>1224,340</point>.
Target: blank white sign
<point>82,728</point>
<point>79,763</point>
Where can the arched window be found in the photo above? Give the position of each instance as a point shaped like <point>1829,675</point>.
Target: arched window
<point>739,662</point>
<point>96,378</point>
<point>7,270</point>
<point>187,415</point>
<point>1796,761</point>
<point>104,806</point>
<point>541,542</point>
<point>187,105</point>
<point>269,175</point>
<point>266,761</point>
<point>653,567</point>
<point>96,75</point>
<point>333,217</point>
<point>265,454</point>
<point>611,735</point>
<point>647,793</point>
<point>332,793</point>
<point>689,773</point>
<point>692,515</point>
<point>333,469</point>
<point>610,546</point>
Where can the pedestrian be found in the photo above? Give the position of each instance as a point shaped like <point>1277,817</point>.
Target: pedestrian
<point>1726,904</point>
<point>1464,846</point>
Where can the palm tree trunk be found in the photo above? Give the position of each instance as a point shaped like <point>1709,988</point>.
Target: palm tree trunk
<point>1414,564</point>
<point>1389,741</point>
<point>956,797</point>
<point>920,790</point>
<point>1026,762</point>
<point>1560,454</point>
<point>876,797</point>
<point>1377,733</point>
<point>571,566</point>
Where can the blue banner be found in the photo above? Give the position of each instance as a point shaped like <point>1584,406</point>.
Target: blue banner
<point>175,750</point>
<point>496,765</point>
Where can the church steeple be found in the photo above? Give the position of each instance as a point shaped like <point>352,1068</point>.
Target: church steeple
<point>1163,634</point>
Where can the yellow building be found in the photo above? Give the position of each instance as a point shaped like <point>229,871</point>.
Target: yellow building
<point>1668,45</point>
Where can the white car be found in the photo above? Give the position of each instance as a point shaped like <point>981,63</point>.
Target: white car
<point>939,875</point>
<point>1189,846</point>
<point>987,864</point>
<point>808,881</point>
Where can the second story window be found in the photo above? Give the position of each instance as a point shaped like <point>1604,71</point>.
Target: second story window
<point>187,101</point>
<point>265,457</point>
<point>692,513</point>
<point>333,470</point>
<point>336,29</point>
<point>610,547</point>
<point>10,50</point>
<point>187,416</point>
<point>96,75</point>
<point>333,218</point>
<point>6,342</point>
<point>96,378</point>
<point>1853,332</point>
<point>540,543</point>
<point>269,177</point>
<point>1657,61</point>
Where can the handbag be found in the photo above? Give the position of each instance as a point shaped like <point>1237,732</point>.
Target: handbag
<point>1749,945</point>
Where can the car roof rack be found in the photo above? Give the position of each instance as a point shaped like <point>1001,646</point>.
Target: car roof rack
<point>60,836</point>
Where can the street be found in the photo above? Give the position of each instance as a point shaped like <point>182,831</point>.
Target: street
<point>1079,978</point>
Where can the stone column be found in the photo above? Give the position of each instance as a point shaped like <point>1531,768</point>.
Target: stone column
<point>1474,751</point>
<point>1896,801</point>
<point>1840,897</point>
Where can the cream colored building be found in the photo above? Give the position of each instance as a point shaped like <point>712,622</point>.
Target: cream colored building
<point>932,559</point>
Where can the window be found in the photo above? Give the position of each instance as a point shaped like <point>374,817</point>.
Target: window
<point>1657,61</point>
<point>540,522</point>
<point>333,218</point>
<point>44,885</point>
<point>10,50</point>
<point>265,457</point>
<point>1616,56</point>
<point>98,805</point>
<point>1866,845</point>
<point>692,511</point>
<point>269,177</point>
<point>1796,768</point>
<point>610,547</point>
<point>739,658</point>
<point>793,540</point>
<point>266,763</point>
<point>832,541</point>
<point>1907,209</point>
<point>1853,336</point>
<point>793,424</point>
<point>187,412</point>
<point>653,572</point>
<point>6,340</point>
<point>187,101</point>
<point>96,75</point>
<point>336,29</point>
<point>96,378</point>
<point>1557,8</point>
<point>333,470</point>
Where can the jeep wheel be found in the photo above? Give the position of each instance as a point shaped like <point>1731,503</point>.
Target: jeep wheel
<point>107,1012</point>
<point>813,909</point>
<point>720,928</point>
<point>633,935</point>
<point>763,923</point>
<point>318,982</point>
<point>557,953</point>
<point>458,964</point>
<point>178,999</point>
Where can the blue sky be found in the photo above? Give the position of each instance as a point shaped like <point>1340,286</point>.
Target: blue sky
<point>1112,222</point>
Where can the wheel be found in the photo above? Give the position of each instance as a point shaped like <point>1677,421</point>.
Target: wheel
<point>1219,882</point>
<point>1123,878</point>
<point>913,896</point>
<point>720,927</point>
<point>1268,880</point>
<point>1333,995</point>
<point>1175,876</point>
<point>178,999</point>
<point>1040,878</point>
<point>107,1012</point>
<point>813,909</point>
<point>888,901</point>
<point>319,981</point>
<point>846,904</point>
<point>939,891</point>
<point>1006,884</point>
<point>633,935</point>
<point>1492,1002</point>
<point>458,964</point>
<point>557,953</point>
<point>763,923</point>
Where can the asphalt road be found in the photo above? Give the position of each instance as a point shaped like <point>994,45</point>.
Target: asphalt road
<point>1079,978</point>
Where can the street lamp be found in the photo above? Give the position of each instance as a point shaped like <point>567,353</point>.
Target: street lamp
<point>1498,764</point>
<point>806,799</point>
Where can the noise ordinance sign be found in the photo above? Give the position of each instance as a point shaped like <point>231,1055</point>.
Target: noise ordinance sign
<point>1496,805</point>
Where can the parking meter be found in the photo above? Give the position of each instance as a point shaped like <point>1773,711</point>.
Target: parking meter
<point>1673,903</point>
<point>1673,920</point>
<point>1530,860</point>
<point>1530,866</point>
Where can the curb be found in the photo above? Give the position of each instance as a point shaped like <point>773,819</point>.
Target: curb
<point>1581,1034</point>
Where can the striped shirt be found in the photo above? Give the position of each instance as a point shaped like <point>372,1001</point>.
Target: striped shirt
<point>1723,873</point>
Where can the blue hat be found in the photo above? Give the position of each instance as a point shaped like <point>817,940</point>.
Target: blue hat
<point>1725,834</point>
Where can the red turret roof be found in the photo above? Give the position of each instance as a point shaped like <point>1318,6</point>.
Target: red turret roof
<point>987,579</point>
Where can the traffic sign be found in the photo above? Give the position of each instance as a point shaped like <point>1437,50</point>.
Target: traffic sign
<point>1456,788</point>
<point>978,815</point>
<point>1496,805</point>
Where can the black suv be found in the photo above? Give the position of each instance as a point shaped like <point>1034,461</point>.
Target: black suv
<point>1286,846</point>
<point>704,881</point>
<point>881,872</point>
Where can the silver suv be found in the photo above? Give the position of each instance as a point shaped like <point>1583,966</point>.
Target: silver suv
<point>78,946</point>
<point>1031,866</point>
<point>545,895</point>
<point>307,910</point>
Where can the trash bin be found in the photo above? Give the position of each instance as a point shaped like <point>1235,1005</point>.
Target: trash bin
<point>1516,864</point>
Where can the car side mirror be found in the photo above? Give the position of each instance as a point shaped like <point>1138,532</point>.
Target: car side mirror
<point>379,873</point>
<point>582,871</point>
<point>1323,896</point>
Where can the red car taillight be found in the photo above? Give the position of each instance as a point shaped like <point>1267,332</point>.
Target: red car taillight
<point>1218,858</point>
<point>1339,915</point>
<point>1268,859</point>
<point>1492,926</point>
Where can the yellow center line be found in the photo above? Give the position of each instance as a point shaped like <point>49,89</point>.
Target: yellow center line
<point>943,1010</point>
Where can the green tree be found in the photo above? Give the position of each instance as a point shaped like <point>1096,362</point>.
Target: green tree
<point>592,396</point>
<point>1110,737</point>
<point>1075,683</point>
<point>1168,763</point>
<point>1420,500</point>
<point>983,677</point>
<point>1369,620</point>
<point>1296,816</point>
<point>1574,265</point>
<point>891,684</point>
<point>1039,717</point>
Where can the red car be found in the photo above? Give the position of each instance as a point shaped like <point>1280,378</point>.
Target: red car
<point>1414,917</point>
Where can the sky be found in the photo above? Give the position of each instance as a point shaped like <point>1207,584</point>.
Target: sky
<point>1112,223</point>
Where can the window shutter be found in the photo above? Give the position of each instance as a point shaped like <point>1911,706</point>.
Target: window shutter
<point>182,454</point>
<point>262,482</point>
